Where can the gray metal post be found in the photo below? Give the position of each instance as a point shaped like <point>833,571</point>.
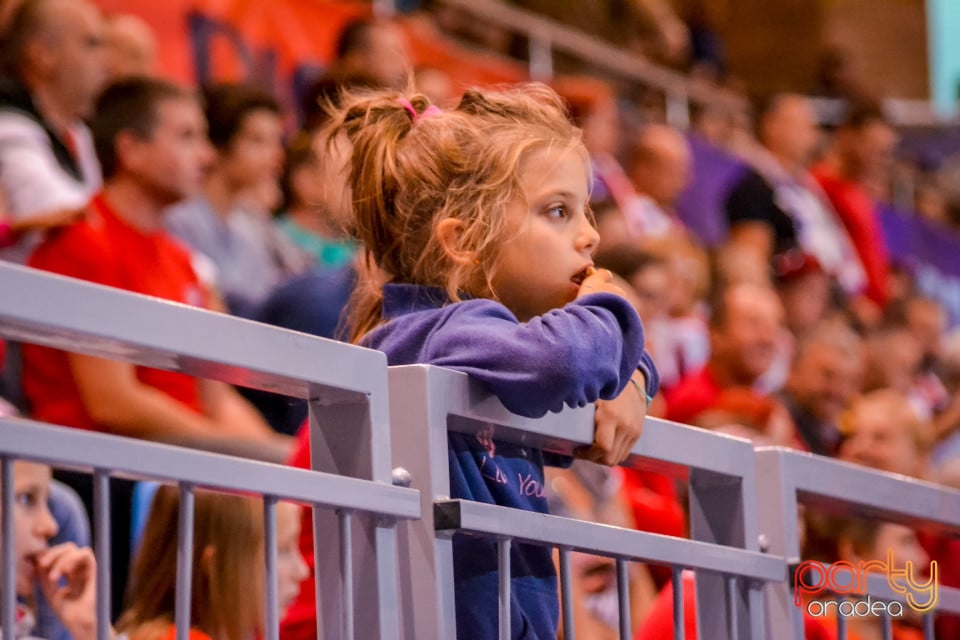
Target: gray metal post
<point>778,521</point>
<point>426,558</point>
<point>184,562</point>
<point>271,616</point>
<point>101,546</point>
<point>723,511</point>
<point>9,568</point>
<point>352,438</point>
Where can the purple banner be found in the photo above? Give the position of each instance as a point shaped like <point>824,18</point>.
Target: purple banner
<point>929,251</point>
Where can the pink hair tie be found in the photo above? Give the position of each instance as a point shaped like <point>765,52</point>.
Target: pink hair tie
<point>429,112</point>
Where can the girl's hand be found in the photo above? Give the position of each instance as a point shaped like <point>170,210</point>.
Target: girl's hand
<point>74,601</point>
<point>600,280</point>
<point>618,424</point>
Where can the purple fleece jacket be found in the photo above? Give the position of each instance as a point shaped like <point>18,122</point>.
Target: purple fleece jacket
<point>571,356</point>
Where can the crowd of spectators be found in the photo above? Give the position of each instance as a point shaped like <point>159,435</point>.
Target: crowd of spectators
<point>795,331</point>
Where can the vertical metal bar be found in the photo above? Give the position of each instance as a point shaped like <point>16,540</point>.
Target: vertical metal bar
<point>271,615</point>
<point>101,548</point>
<point>841,621</point>
<point>318,546</point>
<point>679,626</point>
<point>346,572</point>
<point>9,592</point>
<point>566,595</point>
<point>623,594</point>
<point>503,547</point>
<point>929,627</point>
<point>541,57</point>
<point>887,625</point>
<point>733,623</point>
<point>678,110</point>
<point>184,562</point>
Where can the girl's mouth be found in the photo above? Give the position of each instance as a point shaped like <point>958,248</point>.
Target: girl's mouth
<point>582,275</point>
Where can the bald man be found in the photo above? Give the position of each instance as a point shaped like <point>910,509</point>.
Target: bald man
<point>660,171</point>
<point>53,71</point>
<point>131,47</point>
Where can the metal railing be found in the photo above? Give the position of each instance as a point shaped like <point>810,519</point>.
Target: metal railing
<point>789,479</point>
<point>391,547</point>
<point>427,402</point>
<point>346,388</point>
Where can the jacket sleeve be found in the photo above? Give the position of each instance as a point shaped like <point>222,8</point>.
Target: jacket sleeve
<point>571,356</point>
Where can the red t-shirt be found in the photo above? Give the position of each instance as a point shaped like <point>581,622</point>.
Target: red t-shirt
<point>859,215</point>
<point>104,249</point>
<point>691,396</point>
<point>300,621</point>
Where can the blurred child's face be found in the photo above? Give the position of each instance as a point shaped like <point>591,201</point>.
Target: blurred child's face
<point>256,151</point>
<point>33,524</point>
<point>291,568</point>
<point>549,240</point>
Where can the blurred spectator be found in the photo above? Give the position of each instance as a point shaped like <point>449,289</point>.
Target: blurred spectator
<point>777,206</point>
<point>227,223</point>
<point>893,359</point>
<point>746,413</point>
<point>805,290</point>
<point>436,84</point>
<point>52,58</point>
<point>859,542</point>
<point>150,137</point>
<point>648,276</point>
<point>131,47</point>
<point>861,153</point>
<point>823,380</point>
<point>882,431</point>
<point>660,168</point>
<point>745,329</point>
<point>324,93</point>
<point>376,49</point>
<point>681,343</point>
<point>317,202</point>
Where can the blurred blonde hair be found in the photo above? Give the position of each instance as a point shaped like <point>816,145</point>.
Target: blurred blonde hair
<point>408,173</point>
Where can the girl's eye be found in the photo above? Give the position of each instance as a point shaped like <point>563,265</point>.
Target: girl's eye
<point>27,499</point>
<point>557,211</point>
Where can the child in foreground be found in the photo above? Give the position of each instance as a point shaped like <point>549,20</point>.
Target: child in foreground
<point>479,242</point>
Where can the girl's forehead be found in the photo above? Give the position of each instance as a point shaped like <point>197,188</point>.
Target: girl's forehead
<point>27,474</point>
<point>543,163</point>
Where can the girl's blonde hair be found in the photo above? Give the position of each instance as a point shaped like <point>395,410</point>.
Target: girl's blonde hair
<point>410,171</point>
<point>227,598</point>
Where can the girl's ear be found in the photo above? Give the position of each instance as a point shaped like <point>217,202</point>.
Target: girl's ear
<point>450,234</point>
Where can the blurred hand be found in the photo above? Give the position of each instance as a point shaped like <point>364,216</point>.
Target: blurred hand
<point>74,601</point>
<point>618,424</point>
<point>600,280</point>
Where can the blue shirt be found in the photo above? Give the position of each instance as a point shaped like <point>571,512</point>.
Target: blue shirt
<point>570,356</point>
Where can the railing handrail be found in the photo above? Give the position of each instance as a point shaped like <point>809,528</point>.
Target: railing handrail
<point>67,313</point>
<point>826,482</point>
<point>141,460</point>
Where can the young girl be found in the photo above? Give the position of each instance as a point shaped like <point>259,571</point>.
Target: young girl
<point>66,573</point>
<point>477,223</point>
<point>227,586</point>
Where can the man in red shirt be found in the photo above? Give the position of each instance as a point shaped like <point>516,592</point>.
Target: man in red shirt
<point>861,153</point>
<point>745,330</point>
<point>151,140</point>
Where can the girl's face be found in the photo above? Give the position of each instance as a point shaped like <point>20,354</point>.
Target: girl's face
<point>33,525</point>
<point>549,240</point>
<point>291,567</point>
